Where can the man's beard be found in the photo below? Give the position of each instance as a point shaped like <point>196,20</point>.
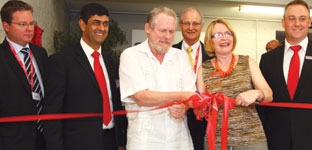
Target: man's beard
<point>159,49</point>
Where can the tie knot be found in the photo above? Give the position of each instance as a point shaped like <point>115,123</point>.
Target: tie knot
<point>189,49</point>
<point>95,54</point>
<point>25,50</point>
<point>295,48</point>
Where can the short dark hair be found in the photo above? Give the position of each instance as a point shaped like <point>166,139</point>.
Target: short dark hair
<point>297,2</point>
<point>92,9</point>
<point>10,7</point>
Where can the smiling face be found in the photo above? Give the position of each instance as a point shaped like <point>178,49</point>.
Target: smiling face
<point>95,31</point>
<point>18,33</point>
<point>223,44</point>
<point>191,26</point>
<point>160,37</point>
<point>296,23</point>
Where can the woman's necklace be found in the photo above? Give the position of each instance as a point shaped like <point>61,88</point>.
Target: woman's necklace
<point>229,71</point>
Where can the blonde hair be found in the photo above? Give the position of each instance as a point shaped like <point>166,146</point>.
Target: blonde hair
<point>209,46</point>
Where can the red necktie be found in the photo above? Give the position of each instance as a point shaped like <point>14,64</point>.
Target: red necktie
<point>107,116</point>
<point>293,73</point>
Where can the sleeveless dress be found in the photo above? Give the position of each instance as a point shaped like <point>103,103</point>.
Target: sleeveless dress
<point>244,125</point>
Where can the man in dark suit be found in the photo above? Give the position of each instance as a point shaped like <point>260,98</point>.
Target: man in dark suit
<point>191,25</point>
<point>21,89</point>
<point>76,83</point>
<point>288,70</point>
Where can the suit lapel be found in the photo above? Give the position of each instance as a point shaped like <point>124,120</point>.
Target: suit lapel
<point>279,69</point>
<point>84,62</point>
<point>38,58</point>
<point>204,53</point>
<point>306,69</point>
<point>108,63</point>
<point>178,45</point>
<point>15,66</point>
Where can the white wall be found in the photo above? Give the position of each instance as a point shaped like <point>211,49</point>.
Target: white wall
<point>252,34</point>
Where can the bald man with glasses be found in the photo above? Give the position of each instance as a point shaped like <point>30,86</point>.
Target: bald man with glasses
<point>191,25</point>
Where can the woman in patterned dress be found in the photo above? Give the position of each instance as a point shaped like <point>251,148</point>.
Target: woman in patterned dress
<point>242,80</point>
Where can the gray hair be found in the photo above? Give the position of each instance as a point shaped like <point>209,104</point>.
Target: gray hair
<point>151,18</point>
<point>191,9</point>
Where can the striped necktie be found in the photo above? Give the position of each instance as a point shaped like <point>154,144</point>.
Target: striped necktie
<point>36,85</point>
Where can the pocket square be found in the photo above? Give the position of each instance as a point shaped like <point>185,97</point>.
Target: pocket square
<point>308,57</point>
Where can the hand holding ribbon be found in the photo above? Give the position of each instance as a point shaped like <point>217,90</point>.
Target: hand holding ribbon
<point>207,104</point>
<point>177,110</point>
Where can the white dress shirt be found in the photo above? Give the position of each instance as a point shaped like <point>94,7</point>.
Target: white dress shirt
<point>288,53</point>
<point>140,70</point>
<point>193,53</point>
<point>88,51</point>
<point>17,48</point>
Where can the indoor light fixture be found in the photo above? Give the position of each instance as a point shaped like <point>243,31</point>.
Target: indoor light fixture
<point>264,9</point>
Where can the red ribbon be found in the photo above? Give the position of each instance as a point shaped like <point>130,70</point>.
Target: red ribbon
<point>208,105</point>
<point>76,115</point>
<point>288,105</point>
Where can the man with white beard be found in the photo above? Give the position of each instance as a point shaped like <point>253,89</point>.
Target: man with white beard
<point>154,74</point>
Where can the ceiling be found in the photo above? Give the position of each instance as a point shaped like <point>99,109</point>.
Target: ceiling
<point>209,8</point>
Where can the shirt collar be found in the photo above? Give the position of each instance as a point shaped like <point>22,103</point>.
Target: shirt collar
<point>194,46</point>
<point>87,49</point>
<point>144,47</point>
<point>17,48</point>
<point>303,44</point>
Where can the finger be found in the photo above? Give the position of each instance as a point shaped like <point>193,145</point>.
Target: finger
<point>172,111</point>
<point>238,102</point>
<point>175,115</point>
<point>178,106</point>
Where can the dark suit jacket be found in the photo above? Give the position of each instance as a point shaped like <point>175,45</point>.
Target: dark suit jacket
<point>72,88</point>
<point>287,128</point>
<point>16,99</point>
<point>197,128</point>
<point>204,53</point>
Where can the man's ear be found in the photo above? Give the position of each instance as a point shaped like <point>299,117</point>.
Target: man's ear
<point>147,27</point>
<point>82,25</point>
<point>6,26</point>
<point>180,25</point>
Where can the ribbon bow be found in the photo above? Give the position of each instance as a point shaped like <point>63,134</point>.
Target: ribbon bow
<point>207,105</point>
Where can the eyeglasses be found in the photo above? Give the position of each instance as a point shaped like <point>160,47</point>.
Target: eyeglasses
<point>25,24</point>
<point>98,23</point>
<point>220,35</point>
<point>194,24</point>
